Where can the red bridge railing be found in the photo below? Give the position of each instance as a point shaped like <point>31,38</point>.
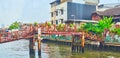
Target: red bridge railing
<point>15,35</point>
<point>29,31</point>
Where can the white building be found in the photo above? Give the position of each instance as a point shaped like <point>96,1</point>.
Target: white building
<point>70,10</point>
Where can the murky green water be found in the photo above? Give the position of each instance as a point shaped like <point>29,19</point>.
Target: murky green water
<point>20,49</point>
<point>62,51</point>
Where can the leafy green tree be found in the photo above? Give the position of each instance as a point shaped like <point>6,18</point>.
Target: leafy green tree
<point>98,28</point>
<point>116,30</point>
<point>105,23</point>
<point>35,23</point>
<point>14,25</point>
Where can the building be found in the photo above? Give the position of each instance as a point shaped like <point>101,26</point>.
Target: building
<point>115,12</point>
<point>104,7</point>
<point>63,11</point>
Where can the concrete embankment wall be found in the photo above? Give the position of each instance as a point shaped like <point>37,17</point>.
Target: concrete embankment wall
<point>103,47</point>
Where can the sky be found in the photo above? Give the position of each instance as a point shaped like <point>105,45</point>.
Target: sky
<point>28,11</point>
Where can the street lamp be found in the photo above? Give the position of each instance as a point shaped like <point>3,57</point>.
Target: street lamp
<point>74,18</point>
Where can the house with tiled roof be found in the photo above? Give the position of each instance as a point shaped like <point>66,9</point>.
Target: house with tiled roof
<point>115,12</point>
<point>103,7</point>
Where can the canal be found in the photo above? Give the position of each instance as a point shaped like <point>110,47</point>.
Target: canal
<point>20,49</point>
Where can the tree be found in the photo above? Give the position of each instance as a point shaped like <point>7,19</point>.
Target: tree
<point>116,31</point>
<point>105,23</point>
<point>35,23</point>
<point>14,25</point>
<point>98,28</point>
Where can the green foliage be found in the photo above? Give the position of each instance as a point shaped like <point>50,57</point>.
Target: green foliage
<point>116,30</point>
<point>60,27</point>
<point>81,26</point>
<point>14,25</point>
<point>105,23</point>
<point>98,28</point>
<point>49,24</point>
<point>88,26</point>
<point>35,23</point>
<point>72,25</point>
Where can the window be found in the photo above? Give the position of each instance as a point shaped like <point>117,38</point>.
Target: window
<point>61,20</point>
<point>56,21</point>
<point>51,14</point>
<point>62,11</point>
<point>56,13</point>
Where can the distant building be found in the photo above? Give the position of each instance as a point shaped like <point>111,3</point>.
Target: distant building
<point>69,11</point>
<point>115,12</point>
<point>104,7</point>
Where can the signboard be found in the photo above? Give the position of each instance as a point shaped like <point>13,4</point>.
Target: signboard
<point>92,2</point>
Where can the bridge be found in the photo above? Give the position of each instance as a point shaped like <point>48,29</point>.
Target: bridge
<point>17,35</point>
<point>27,32</point>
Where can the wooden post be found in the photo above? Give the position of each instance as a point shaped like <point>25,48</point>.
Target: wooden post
<point>83,42</point>
<point>72,47</point>
<point>39,48</point>
<point>39,42</point>
<point>76,41</point>
<point>31,48</point>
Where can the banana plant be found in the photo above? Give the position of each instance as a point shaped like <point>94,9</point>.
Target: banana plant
<point>105,23</point>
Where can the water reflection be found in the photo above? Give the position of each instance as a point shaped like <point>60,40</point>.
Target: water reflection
<point>62,51</point>
<point>20,49</point>
<point>55,51</point>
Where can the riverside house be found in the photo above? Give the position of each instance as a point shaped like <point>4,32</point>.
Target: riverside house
<point>115,12</point>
